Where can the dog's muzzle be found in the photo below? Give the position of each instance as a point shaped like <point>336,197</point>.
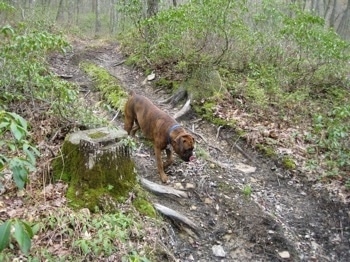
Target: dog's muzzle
<point>187,154</point>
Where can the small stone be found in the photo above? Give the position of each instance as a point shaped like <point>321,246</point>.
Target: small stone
<point>193,208</point>
<point>208,201</point>
<point>212,165</point>
<point>190,186</point>
<point>253,180</point>
<point>284,254</point>
<point>178,186</point>
<point>190,258</point>
<point>218,251</point>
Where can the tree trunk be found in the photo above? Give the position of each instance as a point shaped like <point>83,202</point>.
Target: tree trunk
<point>60,16</point>
<point>97,18</point>
<point>98,168</point>
<point>343,28</point>
<point>152,7</point>
<point>77,11</point>
<point>112,17</point>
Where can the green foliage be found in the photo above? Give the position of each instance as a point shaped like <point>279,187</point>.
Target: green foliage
<point>24,73</point>
<point>247,191</point>
<point>332,135</point>
<point>18,154</point>
<point>129,142</point>
<point>20,231</point>
<point>95,236</point>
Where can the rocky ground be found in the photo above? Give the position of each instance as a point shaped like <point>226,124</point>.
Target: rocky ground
<point>247,209</point>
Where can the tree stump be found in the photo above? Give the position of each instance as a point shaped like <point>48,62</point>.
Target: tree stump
<point>97,166</point>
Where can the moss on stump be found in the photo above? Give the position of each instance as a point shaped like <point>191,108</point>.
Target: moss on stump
<point>98,168</point>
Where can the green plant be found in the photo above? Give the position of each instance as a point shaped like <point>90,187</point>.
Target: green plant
<point>332,136</point>
<point>129,142</point>
<point>20,231</point>
<point>247,191</point>
<point>19,154</point>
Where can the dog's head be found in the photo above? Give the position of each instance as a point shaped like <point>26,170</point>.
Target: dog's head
<point>183,146</point>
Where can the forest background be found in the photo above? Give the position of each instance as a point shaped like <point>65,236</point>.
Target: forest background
<point>281,64</point>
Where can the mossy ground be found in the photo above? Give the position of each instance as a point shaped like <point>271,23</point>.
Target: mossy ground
<point>107,84</point>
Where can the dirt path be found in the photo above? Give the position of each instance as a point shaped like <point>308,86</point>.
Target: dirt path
<point>283,217</point>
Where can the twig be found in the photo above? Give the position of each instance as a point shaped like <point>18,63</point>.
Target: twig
<point>116,115</point>
<point>218,132</point>
<point>197,134</point>
<point>119,63</point>
<point>243,153</point>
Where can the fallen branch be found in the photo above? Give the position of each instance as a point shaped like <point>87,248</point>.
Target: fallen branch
<point>201,136</point>
<point>160,189</point>
<point>176,216</point>
<point>119,63</point>
<point>243,153</point>
<point>218,163</point>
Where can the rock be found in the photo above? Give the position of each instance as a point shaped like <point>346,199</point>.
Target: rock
<point>245,168</point>
<point>208,201</point>
<point>193,208</point>
<point>284,254</point>
<point>190,186</point>
<point>218,251</point>
<point>190,258</point>
<point>179,186</point>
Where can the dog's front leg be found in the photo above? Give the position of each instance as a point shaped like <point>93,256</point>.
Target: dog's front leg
<point>169,159</point>
<point>161,172</point>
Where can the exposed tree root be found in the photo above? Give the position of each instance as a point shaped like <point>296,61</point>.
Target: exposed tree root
<point>160,189</point>
<point>184,110</point>
<point>176,216</point>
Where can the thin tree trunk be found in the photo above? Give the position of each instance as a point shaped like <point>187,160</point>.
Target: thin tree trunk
<point>112,17</point>
<point>97,18</point>
<point>152,7</point>
<point>343,28</point>
<point>60,16</point>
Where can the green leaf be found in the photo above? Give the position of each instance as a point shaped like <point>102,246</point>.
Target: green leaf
<point>36,228</point>
<point>19,175</point>
<point>5,234</point>
<point>28,229</point>
<point>17,133</point>
<point>22,237</point>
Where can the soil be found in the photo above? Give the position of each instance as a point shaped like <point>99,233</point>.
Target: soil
<point>283,218</point>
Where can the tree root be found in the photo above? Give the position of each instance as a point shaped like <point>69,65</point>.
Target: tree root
<point>160,189</point>
<point>176,216</point>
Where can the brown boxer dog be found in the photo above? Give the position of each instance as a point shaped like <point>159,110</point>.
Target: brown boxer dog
<point>159,127</point>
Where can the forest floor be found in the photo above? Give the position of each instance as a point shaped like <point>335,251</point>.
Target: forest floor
<point>283,218</point>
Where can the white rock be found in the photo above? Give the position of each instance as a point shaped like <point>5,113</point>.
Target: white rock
<point>284,254</point>
<point>218,251</point>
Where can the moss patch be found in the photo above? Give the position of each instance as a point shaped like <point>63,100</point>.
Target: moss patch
<point>107,84</point>
<point>288,163</point>
<point>267,150</point>
<point>144,207</point>
<point>97,135</point>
